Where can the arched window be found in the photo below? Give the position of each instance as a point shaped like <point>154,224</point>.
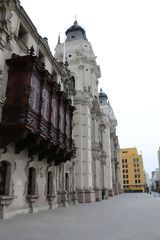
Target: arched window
<point>5,175</point>
<point>32,181</point>
<point>50,183</point>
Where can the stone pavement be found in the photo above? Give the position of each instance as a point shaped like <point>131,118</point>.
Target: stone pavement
<point>124,217</point>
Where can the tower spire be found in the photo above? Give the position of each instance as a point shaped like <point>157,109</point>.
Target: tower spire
<point>75,21</point>
<point>59,38</point>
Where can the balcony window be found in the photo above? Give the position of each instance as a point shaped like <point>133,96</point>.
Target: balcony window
<point>54,112</point>
<point>61,118</point>
<point>45,104</point>
<point>68,126</point>
<point>34,100</point>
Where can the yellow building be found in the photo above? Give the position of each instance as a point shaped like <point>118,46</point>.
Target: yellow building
<point>132,170</point>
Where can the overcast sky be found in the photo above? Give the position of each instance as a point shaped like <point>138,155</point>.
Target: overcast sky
<point>125,36</point>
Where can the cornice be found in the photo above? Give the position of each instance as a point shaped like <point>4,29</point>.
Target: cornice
<point>83,98</point>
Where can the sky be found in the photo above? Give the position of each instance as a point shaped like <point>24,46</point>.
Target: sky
<point>125,37</point>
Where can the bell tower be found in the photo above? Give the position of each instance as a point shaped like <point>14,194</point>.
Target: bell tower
<point>82,64</point>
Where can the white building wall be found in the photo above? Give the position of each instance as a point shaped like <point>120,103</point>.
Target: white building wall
<point>107,148</point>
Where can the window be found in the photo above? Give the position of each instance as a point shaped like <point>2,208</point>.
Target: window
<point>137,165</point>
<point>127,171</point>
<point>22,34</point>
<point>125,160</point>
<point>136,181</point>
<point>67,182</point>
<point>62,118</point>
<point>32,181</point>
<point>127,182</point>
<point>126,176</point>
<point>54,113</point>
<point>123,171</point>
<point>122,160</point>
<point>125,151</point>
<point>45,104</point>
<point>5,174</point>
<point>123,176</point>
<point>139,175</point>
<point>139,181</point>
<point>50,183</point>
<point>135,175</point>
<point>41,57</point>
<point>34,99</point>
<point>124,181</point>
<point>135,170</point>
<point>68,126</point>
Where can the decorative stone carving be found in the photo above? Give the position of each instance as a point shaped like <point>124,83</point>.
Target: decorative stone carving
<point>4,202</point>
<point>32,199</point>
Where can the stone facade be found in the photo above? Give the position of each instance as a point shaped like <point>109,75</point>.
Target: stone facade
<point>35,172</point>
<point>111,146</point>
<point>29,183</point>
<point>97,146</point>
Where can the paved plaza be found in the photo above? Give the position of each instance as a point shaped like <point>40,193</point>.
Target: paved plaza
<point>124,217</point>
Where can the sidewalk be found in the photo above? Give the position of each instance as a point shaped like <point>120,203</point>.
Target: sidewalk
<point>132,216</point>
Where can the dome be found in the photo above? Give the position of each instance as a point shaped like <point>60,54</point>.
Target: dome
<point>74,28</point>
<point>102,95</point>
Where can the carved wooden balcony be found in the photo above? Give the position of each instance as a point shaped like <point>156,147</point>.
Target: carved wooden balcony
<point>37,115</point>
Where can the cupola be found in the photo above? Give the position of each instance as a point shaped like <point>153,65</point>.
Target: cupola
<point>75,32</point>
<point>103,97</point>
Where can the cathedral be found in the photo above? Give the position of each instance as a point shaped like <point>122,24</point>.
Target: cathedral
<point>97,173</point>
<point>58,142</point>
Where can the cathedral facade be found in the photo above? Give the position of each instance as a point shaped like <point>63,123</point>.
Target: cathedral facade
<point>96,174</point>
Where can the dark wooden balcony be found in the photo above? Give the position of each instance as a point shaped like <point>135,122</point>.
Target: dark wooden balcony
<point>37,115</point>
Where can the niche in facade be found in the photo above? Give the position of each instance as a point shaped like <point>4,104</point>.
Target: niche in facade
<point>50,183</point>
<point>5,174</point>
<point>31,181</point>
